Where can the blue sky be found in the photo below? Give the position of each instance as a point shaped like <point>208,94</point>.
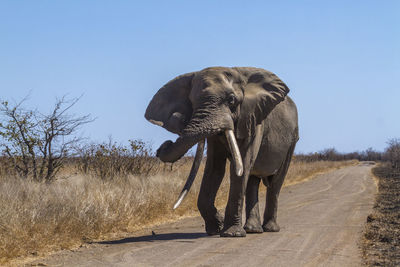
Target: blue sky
<point>341,60</point>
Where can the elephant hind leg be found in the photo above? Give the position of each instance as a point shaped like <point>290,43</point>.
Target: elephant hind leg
<point>253,222</point>
<point>274,185</point>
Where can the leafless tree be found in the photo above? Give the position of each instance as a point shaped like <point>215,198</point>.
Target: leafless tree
<point>392,152</point>
<point>36,143</point>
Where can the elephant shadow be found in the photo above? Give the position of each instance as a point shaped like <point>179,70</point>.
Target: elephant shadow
<point>181,237</point>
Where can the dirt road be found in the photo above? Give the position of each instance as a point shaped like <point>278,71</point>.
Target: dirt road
<point>321,223</point>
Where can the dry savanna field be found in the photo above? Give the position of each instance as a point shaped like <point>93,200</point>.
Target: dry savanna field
<point>79,207</point>
<point>381,240</point>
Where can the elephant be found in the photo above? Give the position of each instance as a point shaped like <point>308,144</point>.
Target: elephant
<point>245,116</point>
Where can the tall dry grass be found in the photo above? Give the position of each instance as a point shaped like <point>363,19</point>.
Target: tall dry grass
<point>36,218</point>
<point>301,171</point>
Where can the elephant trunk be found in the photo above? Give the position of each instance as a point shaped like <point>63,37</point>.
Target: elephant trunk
<point>203,123</point>
<point>198,130</point>
<point>172,151</point>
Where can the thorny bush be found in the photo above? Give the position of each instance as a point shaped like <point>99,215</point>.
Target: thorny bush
<point>110,159</point>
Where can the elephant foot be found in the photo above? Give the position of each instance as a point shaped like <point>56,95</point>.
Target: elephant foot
<point>213,229</point>
<point>271,226</point>
<point>233,231</point>
<point>214,226</point>
<point>253,226</point>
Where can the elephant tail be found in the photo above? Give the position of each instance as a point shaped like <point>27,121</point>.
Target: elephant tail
<point>296,136</point>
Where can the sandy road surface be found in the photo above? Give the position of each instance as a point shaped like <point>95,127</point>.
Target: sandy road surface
<point>321,223</point>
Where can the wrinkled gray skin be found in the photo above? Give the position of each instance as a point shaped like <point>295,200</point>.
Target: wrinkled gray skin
<point>253,103</point>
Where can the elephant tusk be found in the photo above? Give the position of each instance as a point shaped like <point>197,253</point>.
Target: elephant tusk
<point>193,172</point>
<point>237,159</point>
<point>159,123</point>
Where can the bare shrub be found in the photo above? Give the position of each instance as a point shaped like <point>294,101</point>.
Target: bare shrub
<point>331,154</point>
<point>108,160</point>
<point>37,144</point>
<point>392,153</point>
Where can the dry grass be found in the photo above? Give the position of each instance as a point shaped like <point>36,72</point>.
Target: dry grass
<point>381,240</point>
<point>301,171</point>
<point>36,218</point>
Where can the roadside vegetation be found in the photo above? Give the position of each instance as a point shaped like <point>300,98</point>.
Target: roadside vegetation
<point>381,240</point>
<point>59,191</point>
<point>80,207</point>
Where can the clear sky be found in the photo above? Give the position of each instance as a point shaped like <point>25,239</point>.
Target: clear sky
<point>341,60</point>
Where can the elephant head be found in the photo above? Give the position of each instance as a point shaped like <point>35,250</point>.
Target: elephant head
<point>213,101</point>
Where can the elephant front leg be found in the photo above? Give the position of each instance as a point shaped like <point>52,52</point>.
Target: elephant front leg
<point>212,218</point>
<point>233,212</point>
<point>213,175</point>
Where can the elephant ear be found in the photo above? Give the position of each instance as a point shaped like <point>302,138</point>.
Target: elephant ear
<point>170,107</point>
<point>262,92</point>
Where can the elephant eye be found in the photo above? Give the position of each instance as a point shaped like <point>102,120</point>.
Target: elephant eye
<point>232,100</point>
